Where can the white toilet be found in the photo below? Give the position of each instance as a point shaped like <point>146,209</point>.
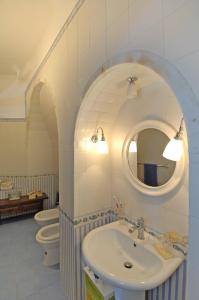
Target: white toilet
<point>48,238</point>
<point>46,217</point>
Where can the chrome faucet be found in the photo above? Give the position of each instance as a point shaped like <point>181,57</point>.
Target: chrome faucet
<point>139,226</point>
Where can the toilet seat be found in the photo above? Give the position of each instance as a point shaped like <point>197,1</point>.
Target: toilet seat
<point>46,217</point>
<point>48,234</point>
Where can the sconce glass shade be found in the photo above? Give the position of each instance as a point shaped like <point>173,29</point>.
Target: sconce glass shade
<point>132,87</point>
<point>102,147</point>
<point>174,150</point>
<point>131,91</point>
<point>133,147</point>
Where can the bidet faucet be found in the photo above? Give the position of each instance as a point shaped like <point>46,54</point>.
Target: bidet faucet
<point>140,227</point>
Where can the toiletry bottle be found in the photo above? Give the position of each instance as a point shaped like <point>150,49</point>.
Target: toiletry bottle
<point>121,213</point>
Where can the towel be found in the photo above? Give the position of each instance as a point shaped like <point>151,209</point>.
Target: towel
<point>174,237</point>
<point>150,174</point>
<point>6,185</point>
<point>163,250</point>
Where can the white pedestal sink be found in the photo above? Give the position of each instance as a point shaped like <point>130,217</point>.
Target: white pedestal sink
<point>130,265</point>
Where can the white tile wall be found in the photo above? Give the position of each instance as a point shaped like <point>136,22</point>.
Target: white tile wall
<point>156,101</point>
<point>115,8</point>
<point>173,288</point>
<point>144,14</point>
<point>189,65</point>
<point>194,205</point>
<point>193,261</point>
<point>180,36</point>
<point>72,52</point>
<point>182,40</point>
<point>98,28</point>
<point>67,180</point>
<point>98,33</point>
<point>118,29</point>
<point>70,253</point>
<point>150,38</point>
<point>84,27</point>
<point>170,6</point>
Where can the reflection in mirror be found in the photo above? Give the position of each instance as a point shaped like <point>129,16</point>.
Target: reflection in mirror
<point>147,163</point>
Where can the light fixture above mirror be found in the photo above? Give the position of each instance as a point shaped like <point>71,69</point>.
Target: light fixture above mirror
<point>132,90</point>
<point>102,145</point>
<point>174,149</point>
<point>133,147</point>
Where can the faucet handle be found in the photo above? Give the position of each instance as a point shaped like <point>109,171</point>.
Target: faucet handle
<point>140,221</point>
<point>133,224</point>
<point>132,227</point>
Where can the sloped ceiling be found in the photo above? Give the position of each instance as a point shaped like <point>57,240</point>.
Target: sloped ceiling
<point>27,30</point>
<point>25,25</point>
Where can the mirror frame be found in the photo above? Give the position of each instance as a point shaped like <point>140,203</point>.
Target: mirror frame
<point>179,169</point>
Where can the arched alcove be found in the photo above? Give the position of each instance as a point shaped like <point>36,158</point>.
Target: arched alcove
<point>88,119</point>
<point>42,141</point>
<point>106,105</point>
<point>42,133</point>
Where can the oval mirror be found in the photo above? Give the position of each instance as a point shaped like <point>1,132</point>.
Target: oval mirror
<point>144,166</point>
<point>145,158</point>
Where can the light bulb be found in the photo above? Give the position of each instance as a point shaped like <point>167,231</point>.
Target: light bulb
<point>87,145</point>
<point>133,147</point>
<point>101,143</point>
<point>131,91</point>
<point>102,147</point>
<point>174,150</point>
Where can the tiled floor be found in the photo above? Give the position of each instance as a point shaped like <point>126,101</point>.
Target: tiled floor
<point>22,274</point>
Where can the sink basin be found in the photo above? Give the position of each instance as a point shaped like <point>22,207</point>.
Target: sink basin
<point>125,262</point>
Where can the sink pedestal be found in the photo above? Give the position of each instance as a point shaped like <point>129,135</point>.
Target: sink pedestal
<point>121,294</point>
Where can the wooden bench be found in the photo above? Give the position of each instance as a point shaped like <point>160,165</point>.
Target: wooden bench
<point>22,206</point>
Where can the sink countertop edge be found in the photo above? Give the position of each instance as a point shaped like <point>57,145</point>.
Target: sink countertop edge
<point>172,264</point>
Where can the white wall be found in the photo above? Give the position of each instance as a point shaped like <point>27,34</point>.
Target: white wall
<point>166,212</point>
<point>97,180</point>
<point>13,148</point>
<point>19,65</point>
<point>55,15</point>
<point>30,147</point>
<point>166,28</point>
<point>41,139</point>
<point>12,97</point>
<point>37,23</point>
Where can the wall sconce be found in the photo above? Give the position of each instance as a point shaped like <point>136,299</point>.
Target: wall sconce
<point>174,148</point>
<point>132,91</point>
<point>133,147</point>
<point>102,145</point>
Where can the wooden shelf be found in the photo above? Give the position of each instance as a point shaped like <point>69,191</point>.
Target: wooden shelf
<point>24,205</point>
